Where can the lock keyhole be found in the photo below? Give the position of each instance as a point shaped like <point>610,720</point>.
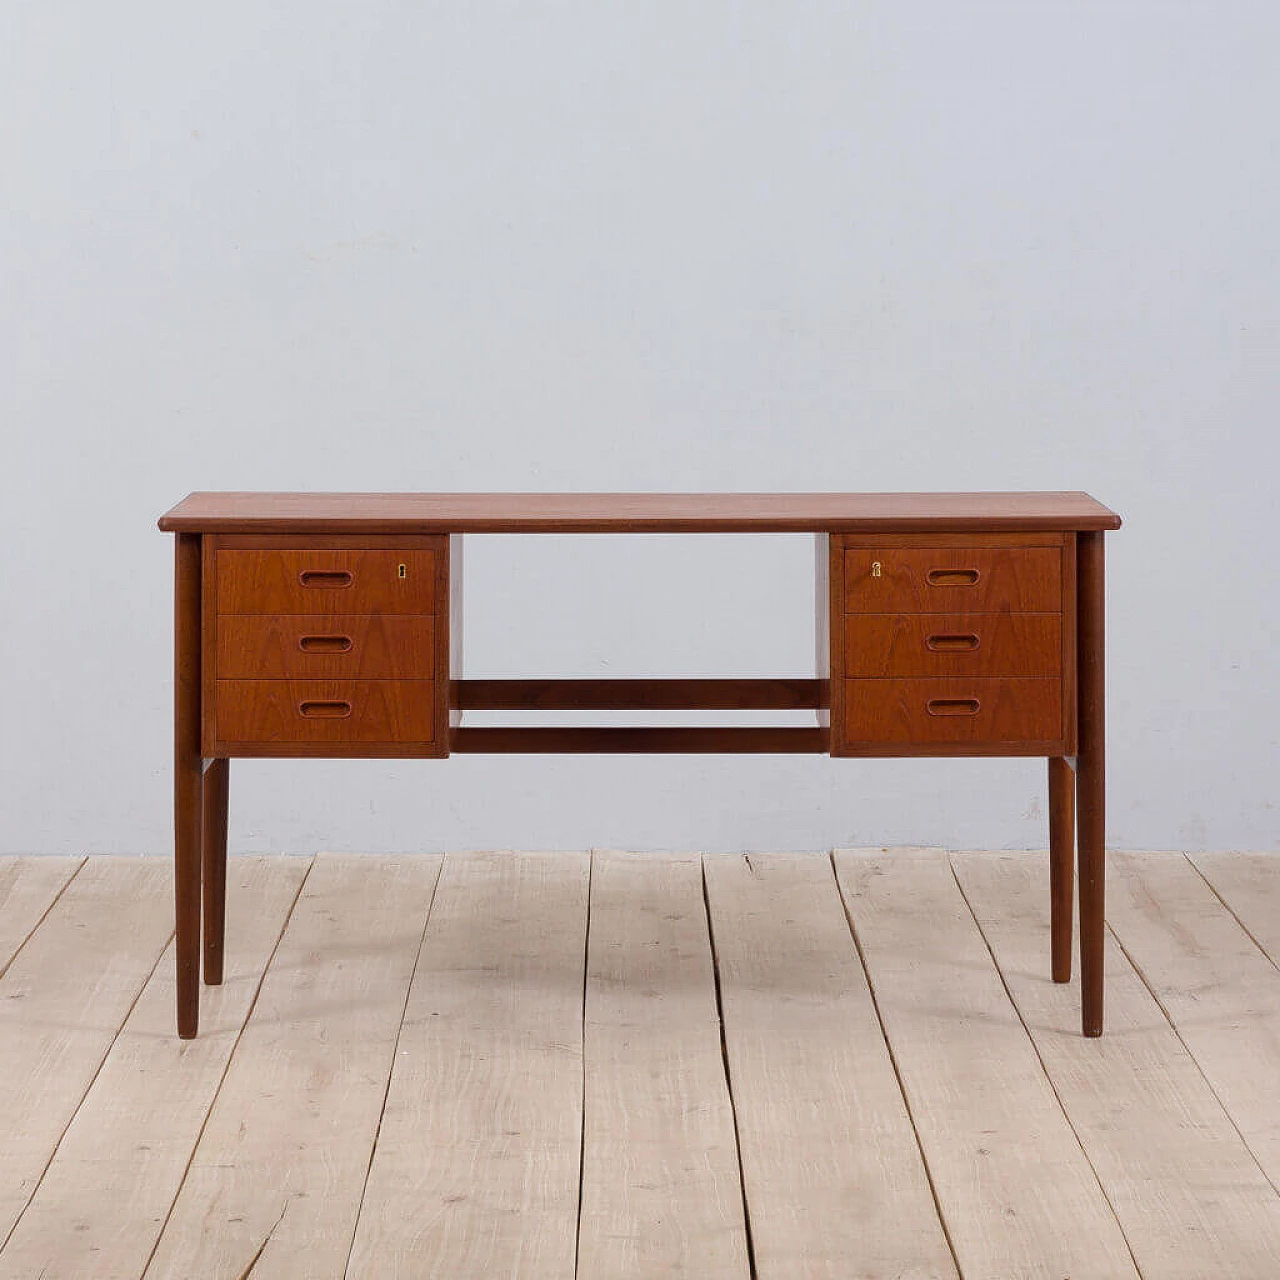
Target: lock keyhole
<point>402,571</point>
<point>875,569</point>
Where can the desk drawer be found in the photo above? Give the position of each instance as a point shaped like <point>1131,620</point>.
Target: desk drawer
<point>289,712</point>
<point>326,580</point>
<point>953,644</point>
<point>961,711</point>
<point>326,646</point>
<point>952,579</point>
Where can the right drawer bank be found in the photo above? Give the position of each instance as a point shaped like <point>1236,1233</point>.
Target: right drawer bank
<point>952,644</point>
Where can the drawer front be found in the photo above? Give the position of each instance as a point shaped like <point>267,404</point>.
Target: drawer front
<point>953,644</point>
<point>271,580</point>
<point>959,711</point>
<point>288,712</point>
<point>374,646</point>
<point>952,579</point>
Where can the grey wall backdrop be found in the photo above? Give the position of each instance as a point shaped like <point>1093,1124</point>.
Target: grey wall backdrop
<point>654,246</point>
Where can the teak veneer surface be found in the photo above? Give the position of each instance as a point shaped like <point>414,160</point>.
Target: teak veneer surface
<point>326,711</point>
<point>953,644</point>
<point>980,711</point>
<point>310,580</point>
<point>376,646</point>
<point>634,512</point>
<point>935,579</point>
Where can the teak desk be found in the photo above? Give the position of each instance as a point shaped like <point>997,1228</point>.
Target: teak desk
<point>949,624</point>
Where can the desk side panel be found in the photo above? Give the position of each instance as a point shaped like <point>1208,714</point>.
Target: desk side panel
<point>826,620</point>
<point>1070,683</point>
<point>451,671</point>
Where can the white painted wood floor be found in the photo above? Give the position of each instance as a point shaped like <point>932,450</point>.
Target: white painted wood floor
<point>635,1065</point>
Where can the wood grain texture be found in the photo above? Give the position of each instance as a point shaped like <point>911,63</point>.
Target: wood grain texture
<point>496,1122</point>
<point>105,1196</point>
<point>1185,1188</point>
<point>649,695</point>
<point>1249,884</point>
<point>270,623</point>
<point>989,711</point>
<point>661,1190</point>
<point>379,646</point>
<point>930,579</point>
<point>62,1000</point>
<point>1221,992</point>
<point>28,888</point>
<point>275,712</point>
<point>328,580</point>
<point>632,512</point>
<point>1006,1166</point>
<point>953,644</point>
<point>476,1169</point>
<point>834,1181</point>
<point>278,1174</point>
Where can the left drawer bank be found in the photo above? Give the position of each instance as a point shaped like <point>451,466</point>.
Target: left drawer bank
<point>324,646</point>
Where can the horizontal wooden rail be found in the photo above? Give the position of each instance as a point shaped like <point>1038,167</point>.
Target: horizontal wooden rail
<point>640,740</point>
<point>639,695</point>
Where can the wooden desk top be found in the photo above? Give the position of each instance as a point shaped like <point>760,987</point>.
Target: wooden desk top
<point>410,513</point>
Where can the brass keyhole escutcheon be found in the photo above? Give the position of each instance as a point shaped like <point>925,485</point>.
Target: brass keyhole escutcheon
<point>875,569</point>
<point>402,571</point>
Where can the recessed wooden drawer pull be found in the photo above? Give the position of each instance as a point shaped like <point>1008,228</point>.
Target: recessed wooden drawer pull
<point>953,706</point>
<point>324,644</point>
<point>953,643</point>
<point>318,710</point>
<point>329,578</point>
<point>953,577</point>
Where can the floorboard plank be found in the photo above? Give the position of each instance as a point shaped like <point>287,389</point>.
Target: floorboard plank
<point>277,1177</point>
<point>475,1172</point>
<point>476,1169</point>
<point>28,888</point>
<point>1186,1189</point>
<point>62,1001</point>
<point>1015,1190</point>
<point>661,1193</point>
<point>105,1196</point>
<point>835,1184</point>
<point>1249,883</point>
<point>1220,991</point>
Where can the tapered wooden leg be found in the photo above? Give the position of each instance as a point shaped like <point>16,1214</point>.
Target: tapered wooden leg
<point>214,867</point>
<point>1062,850</point>
<point>187,780</point>
<point>1091,777</point>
